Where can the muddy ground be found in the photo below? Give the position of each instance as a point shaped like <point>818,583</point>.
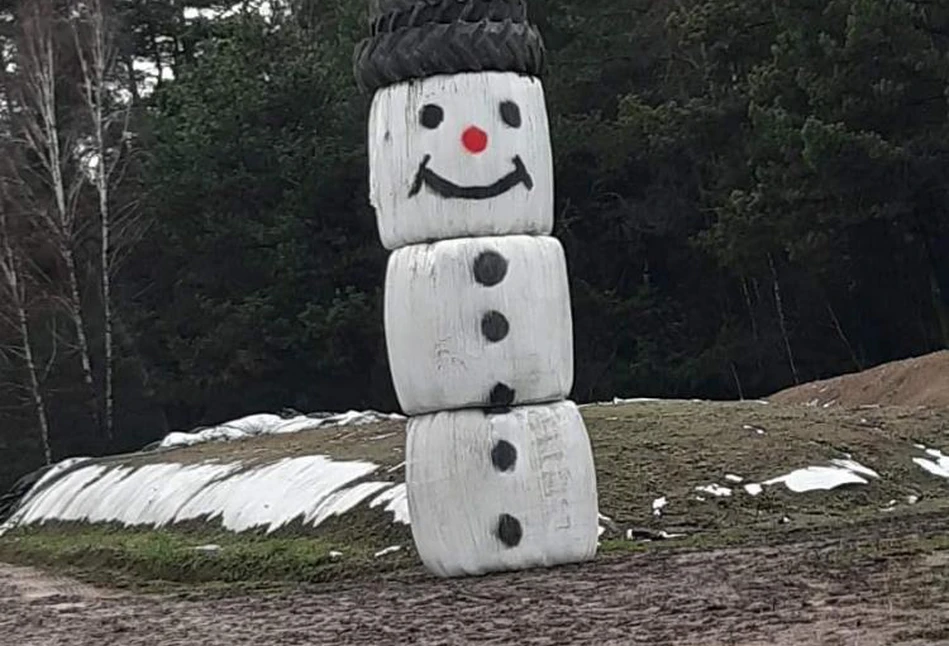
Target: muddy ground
<point>873,585</point>
<point>918,381</point>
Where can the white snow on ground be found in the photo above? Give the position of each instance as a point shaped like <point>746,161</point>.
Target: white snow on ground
<point>662,534</point>
<point>210,548</point>
<point>269,424</point>
<point>731,477</point>
<point>715,490</point>
<point>313,488</point>
<point>844,471</point>
<point>856,467</point>
<point>816,478</point>
<point>388,550</point>
<point>602,517</point>
<point>397,502</point>
<point>938,466</point>
<point>658,504</point>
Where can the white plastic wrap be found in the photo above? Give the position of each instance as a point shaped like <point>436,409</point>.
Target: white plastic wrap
<point>479,322</point>
<point>501,492</point>
<point>458,156</point>
<point>240,497</point>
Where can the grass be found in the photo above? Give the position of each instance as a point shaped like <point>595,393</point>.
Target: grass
<point>158,560</point>
<point>642,450</point>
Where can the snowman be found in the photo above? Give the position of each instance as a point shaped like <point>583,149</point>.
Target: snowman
<point>499,469</point>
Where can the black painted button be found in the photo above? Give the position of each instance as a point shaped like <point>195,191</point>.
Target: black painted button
<point>504,456</point>
<point>490,268</point>
<point>509,530</point>
<point>494,326</point>
<point>502,395</point>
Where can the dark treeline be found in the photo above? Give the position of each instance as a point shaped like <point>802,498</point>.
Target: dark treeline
<point>751,194</point>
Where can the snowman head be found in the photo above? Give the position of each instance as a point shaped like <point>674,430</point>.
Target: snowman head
<point>459,156</point>
<point>458,134</point>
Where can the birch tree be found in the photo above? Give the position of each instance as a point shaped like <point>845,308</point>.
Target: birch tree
<point>108,122</point>
<point>13,290</point>
<point>55,200</point>
<point>13,283</point>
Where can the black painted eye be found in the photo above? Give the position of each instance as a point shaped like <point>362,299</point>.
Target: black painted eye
<point>511,114</point>
<point>432,116</point>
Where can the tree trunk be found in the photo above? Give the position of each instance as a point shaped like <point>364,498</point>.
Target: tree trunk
<point>105,229</point>
<point>741,392</point>
<point>781,320</point>
<point>10,272</point>
<point>75,314</point>
<point>38,402</point>
<point>107,333</point>
<point>842,335</point>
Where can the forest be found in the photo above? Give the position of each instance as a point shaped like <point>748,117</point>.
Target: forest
<point>750,194</point>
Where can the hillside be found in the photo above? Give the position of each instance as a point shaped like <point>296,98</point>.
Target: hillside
<point>918,381</point>
<point>700,473</point>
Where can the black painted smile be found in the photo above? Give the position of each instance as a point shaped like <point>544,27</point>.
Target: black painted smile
<point>445,188</point>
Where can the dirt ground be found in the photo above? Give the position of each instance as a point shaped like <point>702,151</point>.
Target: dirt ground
<point>920,381</point>
<point>880,585</point>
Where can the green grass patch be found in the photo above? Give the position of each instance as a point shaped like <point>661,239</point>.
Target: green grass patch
<point>160,559</point>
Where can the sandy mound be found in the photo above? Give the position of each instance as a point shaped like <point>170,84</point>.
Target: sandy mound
<point>920,381</point>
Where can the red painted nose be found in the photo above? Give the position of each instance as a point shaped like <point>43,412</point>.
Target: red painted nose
<point>475,140</point>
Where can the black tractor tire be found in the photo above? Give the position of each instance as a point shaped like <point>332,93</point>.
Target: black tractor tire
<point>452,48</point>
<point>402,14</point>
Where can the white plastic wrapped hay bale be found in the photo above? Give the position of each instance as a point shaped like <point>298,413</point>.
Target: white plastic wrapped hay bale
<point>479,322</point>
<point>501,492</point>
<point>458,156</point>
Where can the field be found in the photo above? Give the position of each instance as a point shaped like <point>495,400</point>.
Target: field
<point>697,548</point>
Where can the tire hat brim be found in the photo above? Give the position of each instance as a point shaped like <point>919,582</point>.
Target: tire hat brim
<point>424,43</point>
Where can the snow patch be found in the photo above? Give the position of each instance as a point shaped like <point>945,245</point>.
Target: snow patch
<point>270,424</point>
<point>715,490</point>
<point>648,535</point>
<point>400,465</point>
<point>658,504</point>
<point>208,549</point>
<point>937,466</point>
<point>388,550</point>
<point>843,472</point>
<point>816,479</point>
<point>602,518</point>
<point>731,477</point>
<point>397,502</point>
<point>753,489</point>
<point>856,467</point>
